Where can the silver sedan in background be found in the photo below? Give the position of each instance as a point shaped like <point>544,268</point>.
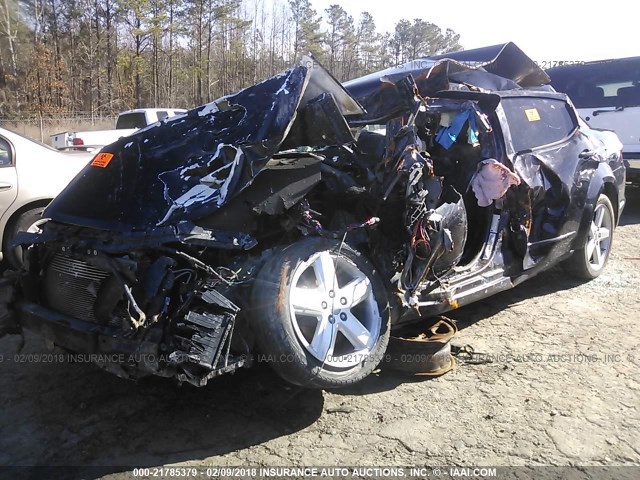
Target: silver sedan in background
<point>31,175</point>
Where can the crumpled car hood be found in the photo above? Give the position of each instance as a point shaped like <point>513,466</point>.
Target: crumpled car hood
<point>189,166</point>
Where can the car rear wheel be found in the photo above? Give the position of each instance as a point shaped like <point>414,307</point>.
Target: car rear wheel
<point>589,261</point>
<point>322,316</point>
<point>27,221</point>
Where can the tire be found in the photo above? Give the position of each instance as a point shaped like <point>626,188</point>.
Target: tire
<point>322,315</point>
<point>588,261</point>
<point>27,219</point>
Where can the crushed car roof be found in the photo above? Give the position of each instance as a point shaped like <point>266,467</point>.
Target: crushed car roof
<point>496,68</point>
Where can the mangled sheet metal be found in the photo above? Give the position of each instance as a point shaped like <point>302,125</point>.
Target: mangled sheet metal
<point>504,60</point>
<point>497,68</point>
<point>186,240</point>
<point>188,166</point>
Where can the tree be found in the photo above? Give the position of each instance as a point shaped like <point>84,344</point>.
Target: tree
<point>340,40</point>
<point>368,43</point>
<point>109,10</point>
<point>449,42</point>
<point>400,40</point>
<point>306,28</point>
<point>136,15</point>
<point>8,32</point>
<point>421,38</point>
<point>103,56</point>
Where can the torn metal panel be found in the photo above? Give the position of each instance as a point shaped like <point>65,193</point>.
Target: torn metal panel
<point>321,82</point>
<point>483,83</point>
<point>497,68</point>
<point>384,98</point>
<point>504,60</point>
<point>117,242</point>
<point>320,122</point>
<point>283,183</point>
<point>188,167</point>
<point>558,177</point>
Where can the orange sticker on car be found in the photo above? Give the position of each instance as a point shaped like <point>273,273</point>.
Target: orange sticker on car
<point>102,160</point>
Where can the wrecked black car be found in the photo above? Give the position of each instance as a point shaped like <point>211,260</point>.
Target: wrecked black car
<point>302,220</point>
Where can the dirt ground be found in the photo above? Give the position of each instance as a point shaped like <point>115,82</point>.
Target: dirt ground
<point>563,389</point>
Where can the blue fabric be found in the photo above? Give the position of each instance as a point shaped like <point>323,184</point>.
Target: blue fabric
<point>447,136</point>
<point>472,134</point>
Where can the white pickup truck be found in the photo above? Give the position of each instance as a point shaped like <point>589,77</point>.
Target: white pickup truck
<point>126,123</point>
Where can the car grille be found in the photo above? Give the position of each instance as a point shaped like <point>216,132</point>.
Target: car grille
<point>71,286</point>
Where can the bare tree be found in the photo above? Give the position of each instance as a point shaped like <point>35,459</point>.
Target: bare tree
<point>8,32</point>
<point>108,55</point>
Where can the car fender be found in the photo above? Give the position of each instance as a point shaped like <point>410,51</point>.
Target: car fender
<point>602,181</point>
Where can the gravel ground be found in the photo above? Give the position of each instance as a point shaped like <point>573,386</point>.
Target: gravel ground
<point>562,389</point>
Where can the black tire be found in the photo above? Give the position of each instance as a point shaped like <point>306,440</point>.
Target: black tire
<point>13,256</point>
<point>582,264</point>
<point>279,327</point>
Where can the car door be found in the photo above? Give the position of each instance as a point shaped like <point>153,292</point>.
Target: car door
<point>550,155</point>
<point>8,175</point>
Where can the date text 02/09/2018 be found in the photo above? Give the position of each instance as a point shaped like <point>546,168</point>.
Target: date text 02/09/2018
<point>313,472</point>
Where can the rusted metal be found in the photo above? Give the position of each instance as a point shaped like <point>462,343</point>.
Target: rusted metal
<point>427,353</point>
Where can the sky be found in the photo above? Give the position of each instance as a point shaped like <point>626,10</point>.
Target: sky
<point>546,30</point>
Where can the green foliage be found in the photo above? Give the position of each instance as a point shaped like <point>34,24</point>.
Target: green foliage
<point>306,29</point>
<point>420,39</point>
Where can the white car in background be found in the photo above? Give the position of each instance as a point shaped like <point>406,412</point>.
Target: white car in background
<point>126,123</point>
<point>606,94</point>
<point>31,175</point>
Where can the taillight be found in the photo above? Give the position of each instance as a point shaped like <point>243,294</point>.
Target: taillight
<point>78,141</point>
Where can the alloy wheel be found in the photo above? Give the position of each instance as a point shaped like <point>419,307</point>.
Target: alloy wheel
<point>333,310</point>
<point>599,237</point>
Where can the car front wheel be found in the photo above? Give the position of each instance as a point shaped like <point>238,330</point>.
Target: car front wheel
<point>26,222</point>
<point>589,261</point>
<point>321,315</point>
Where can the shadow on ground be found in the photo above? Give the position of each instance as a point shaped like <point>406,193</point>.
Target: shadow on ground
<point>631,213</point>
<point>75,414</point>
<point>548,282</point>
